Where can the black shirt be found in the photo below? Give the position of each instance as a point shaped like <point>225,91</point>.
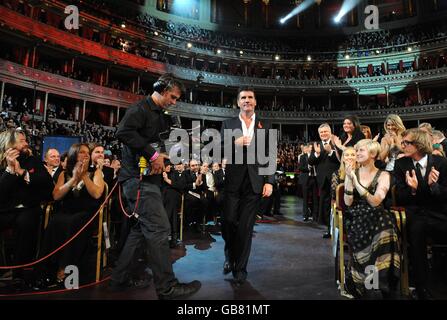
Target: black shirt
<point>140,127</point>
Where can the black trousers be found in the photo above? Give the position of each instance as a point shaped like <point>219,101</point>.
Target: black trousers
<point>240,209</point>
<point>25,223</point>
<point>310,195</point>
<point>172,200</point>
<point>324,207</point>
<point>421,224</point>
<point>152,228</point>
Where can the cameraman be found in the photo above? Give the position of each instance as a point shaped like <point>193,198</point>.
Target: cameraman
<point>141,127</point>
<point>24,184</point>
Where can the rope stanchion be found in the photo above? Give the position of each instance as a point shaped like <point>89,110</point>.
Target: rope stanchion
<point>68,241</point>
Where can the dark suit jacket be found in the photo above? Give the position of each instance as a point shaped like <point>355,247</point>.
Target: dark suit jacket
<point>325,166</point>
<point>434,198</point>
<point>235,173</point>
<point>14,190</point>
<point>178,180</point>
<point>219,180</point>
<point>190,178</point>
<point>304,169</point>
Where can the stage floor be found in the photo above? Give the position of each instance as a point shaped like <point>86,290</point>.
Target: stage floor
<point>289,261</point>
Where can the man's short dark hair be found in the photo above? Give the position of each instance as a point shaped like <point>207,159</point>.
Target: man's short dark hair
<point>167,82</point>
<point>245,89</point>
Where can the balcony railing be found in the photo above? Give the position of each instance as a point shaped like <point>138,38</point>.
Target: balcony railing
<point>52,83</point>
<point>44,81</point>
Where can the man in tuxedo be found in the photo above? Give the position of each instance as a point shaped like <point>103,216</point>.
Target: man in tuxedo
<point>244,185</point>
<point>308,181</point>
<point>52,163</point>
<point>195,201</point>
<point>421,182</point>
<point>325,160</point>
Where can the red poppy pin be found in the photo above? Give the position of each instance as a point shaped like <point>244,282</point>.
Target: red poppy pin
<point>259,125</point>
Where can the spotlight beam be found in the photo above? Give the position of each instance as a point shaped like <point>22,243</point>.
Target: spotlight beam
<point>347,6</point>
<point>303,6</point>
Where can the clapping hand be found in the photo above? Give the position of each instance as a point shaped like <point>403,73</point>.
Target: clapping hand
<point>337,142</point>
<point>433,176</point>
<point>11,159</point>
<point>350,172</point>
<point>317,148</point>
<point>411,179</point>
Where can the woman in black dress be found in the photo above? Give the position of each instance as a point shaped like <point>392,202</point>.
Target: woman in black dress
<point>78,196</point>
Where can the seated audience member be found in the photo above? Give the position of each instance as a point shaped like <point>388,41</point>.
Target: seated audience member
<point>439,137</point>
<point>421,182</point>
<point>24,184</point>
<point>348,158</point>
<point>174,183</point>
<point>194,200</point>
<point>370,229</point>
<point>366,131</point>
<point>78,192</point>
<point>391,142</point>
<point>97,163</point>
<point>427,127</point>
<point>438,150</point>
<point>52,163</point>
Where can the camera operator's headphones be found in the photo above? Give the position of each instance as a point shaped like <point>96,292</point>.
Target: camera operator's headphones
<point>165,82</point>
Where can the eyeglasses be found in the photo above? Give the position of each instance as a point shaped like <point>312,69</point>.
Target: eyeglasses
<point>406,143</point>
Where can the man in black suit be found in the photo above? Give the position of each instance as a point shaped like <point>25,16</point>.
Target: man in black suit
<point>244,182</point>
<point>308,181</point>
<point>421,182</point>
<point>325,160</point>
<point>195,201</point>
<point>24,184</point>
<point>52,163</point>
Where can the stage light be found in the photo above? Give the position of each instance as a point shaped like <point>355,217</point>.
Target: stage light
<point>189,45</point>
<point>347,57</point>
<point>241,52</point>
<point>377,51</point>
<point>277,57</point>
<point>219,51</point>
<point>300,8</point>
<point>156,33</point>
<point>347,6</point>
<point>309,58</point>
<point>123,25</point>
<point>409,49</point>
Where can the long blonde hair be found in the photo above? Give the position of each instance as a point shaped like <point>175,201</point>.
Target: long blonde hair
<point>342,169</point>
<point>397,121</point>
<point>8,139</point>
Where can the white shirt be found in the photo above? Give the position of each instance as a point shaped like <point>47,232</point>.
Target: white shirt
<point>248,132</point>
<point>423,162</point>
<point>210,181</point>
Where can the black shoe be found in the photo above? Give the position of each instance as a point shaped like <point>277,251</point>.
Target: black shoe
<point>136,284</point>
<point>424,294</point>
<point>305,219</point>
<point>180,290</point>
<point>239,277</point>
<point>326,235</point>
<point>227,267</point>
